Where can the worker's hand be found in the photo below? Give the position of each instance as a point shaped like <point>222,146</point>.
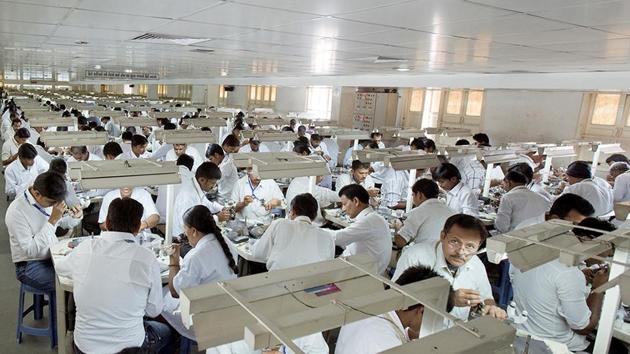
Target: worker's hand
<point>174,257</point>
<point>327,158</point>
<point>57,212</point>
<point>494,311</point>
<point>396,224</point>
<point>76,212</point>
<point>248,200</point>
<point>588,275</point>
<point>224,215</point>
<point>143,225</point>
<point>373,192</point>
<point>466,297</point>
<point>600,278</point>
<point>272,204</point>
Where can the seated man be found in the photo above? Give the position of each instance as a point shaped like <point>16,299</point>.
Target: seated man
<point>150,217</point>
<point>532,185</point>
<point>620,180</point>
<point>472,170</point>
<point>323,196</point>
<point>459,196</point>
<point>571,207</point>
<point>81,153</point>
<point>359,174</point>
<point>454,258</point>
<point>376,334</point>
<point>254,146</point>
<point>110,318</point>
<point>138,149</point>
<point>185,164</point>
<point>21,172</point>
<point>394,187</point>
<point>425,221</point>
<point>369,233</point>
<point>112,150</point>
<point>377,138</point>
<point>599,194</point>
<point>180,149</point>
<point>12,144</point>
<point>616,158</point>
<point>229,174</point>
<point>31,221</point>
<point>318,147</point>
<point>519,206</point>
<point>256,197</point>
<point>347,157</point>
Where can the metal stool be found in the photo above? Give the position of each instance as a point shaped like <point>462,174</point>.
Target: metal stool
<point>37,308</point>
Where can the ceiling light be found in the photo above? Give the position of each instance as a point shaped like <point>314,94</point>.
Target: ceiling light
<point>224,73</point>
<point>402,68</point>
<point>128,71</point>
<point>97,67</point>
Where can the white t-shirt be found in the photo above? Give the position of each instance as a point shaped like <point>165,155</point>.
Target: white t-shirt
<point>425,222</point>
<point>324,196</point>
<point>462,200</point>
<point>621,190</point>
<point>520,207</point>
<point>371,335</point>
<point>601,198</point>
<point>266,190</point>
<point>347,178</point>
<point>139,194</point>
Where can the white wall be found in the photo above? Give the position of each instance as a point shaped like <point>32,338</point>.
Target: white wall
<point>238,97</point>
<point>523,115</point>
<point>290,99</point>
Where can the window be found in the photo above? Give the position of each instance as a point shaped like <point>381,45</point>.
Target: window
<point>104,88</point>
<point>142,90</point>
<point>319,102</point>
<point>417,100</point>
<point>184,91</point>
<point>223,95</point>
<point>454,102</point>
<point>63,76</point>
<point>260,95</point>
<point>605,109</point>
<point>474,103</point>
<point>127,89</point>
<point>161,89</point>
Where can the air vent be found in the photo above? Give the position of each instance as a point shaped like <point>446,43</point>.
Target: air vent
<point>169,39</point>
<point>203,51</point>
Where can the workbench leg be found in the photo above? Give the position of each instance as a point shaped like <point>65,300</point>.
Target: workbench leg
<point>611,303</point>
<point>60,299</point>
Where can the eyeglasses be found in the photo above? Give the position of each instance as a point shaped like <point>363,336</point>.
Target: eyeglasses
<point>469,247</point>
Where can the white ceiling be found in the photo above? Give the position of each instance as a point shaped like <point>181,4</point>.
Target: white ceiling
<point>318,38</point>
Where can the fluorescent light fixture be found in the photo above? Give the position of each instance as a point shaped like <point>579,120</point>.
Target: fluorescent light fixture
<point>345,134</point>
<point>52,122</point>
<point>205,122</point>
<point>186,136</point>
<point>124,173</point>
<point>135,121</point>
<point>269,135</point>
<point>97,67</point>
<point>80,138</point>
<point>167,115</point>
<point>402,68</point>
<point>409,133</point>
<point>128,71</point>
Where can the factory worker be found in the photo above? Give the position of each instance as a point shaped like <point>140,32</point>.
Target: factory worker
<point>318,147</point>
<point>459,196</point>
<point>369,233</point>
<point>394,187</point>
<point>616,158</point>
<point>323,196</point>
<point>425,221</point>
<point>150,217</point>
<point>256,197</point>
<point>377,334</point>
<point>254,146</point>
<point>347,157</point>
<point>185,164</point>
<point>12,144</point>
<point>620,177</point>
<point>229,174</point>
<point>571,207</point>
<point>472,171</point>
<point>359,174</point>
<point>532,185</point>
<point>111,150</point>
<point>180,149</point>
<point>193,192</point>
<point>138,149</point>
<point>481,140</point>
<point>209,260</point>
<point>112,128</point>
<point>519,206</point>
<point>81,153</point>
<point>454,258</point>
<point>599,194</point>
<point>117,283</point>
<point>377,138</point>
<point>21,172</point>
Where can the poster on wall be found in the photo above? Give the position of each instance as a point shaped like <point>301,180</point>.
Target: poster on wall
<point>364,111</point>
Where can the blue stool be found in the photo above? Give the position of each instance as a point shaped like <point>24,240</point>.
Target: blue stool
<point>37,309</point>
<point>185,345</point>
<point>504,287</point>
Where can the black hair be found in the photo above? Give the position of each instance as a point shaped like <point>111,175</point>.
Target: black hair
<point>58,165</point>
<point>23,133</point>
<point>429,144</point>
<point>447,171</point>
<point>126,135</point>
<point>79,149</point>
<point>131,130</point>
<point>51,185</point>
<point>302,128</point>
<point>316,137</point>
<point>201,219</point>
<point>82,120</point>
<point>27,151</point>
<point>357,164</point>
<point>567,202</point>
<point>619,167</point>
<point>374,134</point>
<point>482,139</point>
<point>617,158</point>
<point>286,129</point>
<point>516,177</point>
<point>214,149</point>
<point>352,191</point>
<point>138,140</point>
<point>301,148</point>
<point>417,143</point>
<point>99,128</point>
<point>524,169</point>
<point>415,274</point>
<point>112,148</point>
<point>305,205</point>
<point>169,126</point>
<point>186,160</point>
<point>593,223</point>
<point>208,170</point>
<point>303,140</point>
<point>231,141</point>
<point>92,125</point>
<point>462,142</point>
<point>124,215</point>
<point>467,222</point>
<point>373,145</point>
<point>427,187</point>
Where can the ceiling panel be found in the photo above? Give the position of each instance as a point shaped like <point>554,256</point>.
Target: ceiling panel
<point>26,28</point>
<point>558,36</point>
<point>94,34</point>
<point>591,13</point>
<point>94,19</point>
<point>332,27</point>
<point>31,13</point>
<point>535,5</point>
<point>323,7</point>
<point>165,9</point>
<point>200,30</point>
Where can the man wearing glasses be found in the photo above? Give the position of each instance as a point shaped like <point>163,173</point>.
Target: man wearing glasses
<point>454,258</point>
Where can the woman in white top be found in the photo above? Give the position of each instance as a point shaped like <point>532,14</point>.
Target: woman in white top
<point>209,260</point>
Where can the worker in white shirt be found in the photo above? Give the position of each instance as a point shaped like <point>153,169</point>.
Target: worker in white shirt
<point>481,140</point>
<point>369,233</point>
<point>617,158</point>
<point>318,147</point>
<point>324,196</point>
<point>294,242</point>
<point>180,149</point>
<point>520,206</point>
<point>459,196</point>
<point>229,174</point>
<point>359,174</point>
<point>31,221</point>
<point>113,129</point>
<point>472,170</point>
<point>21,172</point>
<point>394,187</point>
<point>454,258</point>
<point>532,185</point>
<point>9,131</point>
<point>35,134</point>
<point>208,261</point>
<point>377,137</point>
<point>256,197</point>
<point>581,183</point>
<point>193,192</point>
<point>81,153</point>
<point>620,177</point>
<point>347,157</point>
<point>231,144</point>
<point>138,148</point>
<point>185,164</point>
<point>425,221</point>
<point>377,334</point>
<point>254,146</point>
<point>571,207</point>
<point>110,318</point>
<point>150,217</point>
<point>111,150</point>
<point>11,145</point>
<point>301,132</point>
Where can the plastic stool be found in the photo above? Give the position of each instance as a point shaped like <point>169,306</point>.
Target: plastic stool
<point>186,345</point>
<point>37,309</point>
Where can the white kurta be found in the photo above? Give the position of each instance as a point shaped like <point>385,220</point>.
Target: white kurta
<point>462,200</point>
<point>347,178</point>
<point>266,190</point>
<point>600,198</point>
<point>621,190</point>
<point>425,222</point>
<point>520,207</point>
<point>139,194</point>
